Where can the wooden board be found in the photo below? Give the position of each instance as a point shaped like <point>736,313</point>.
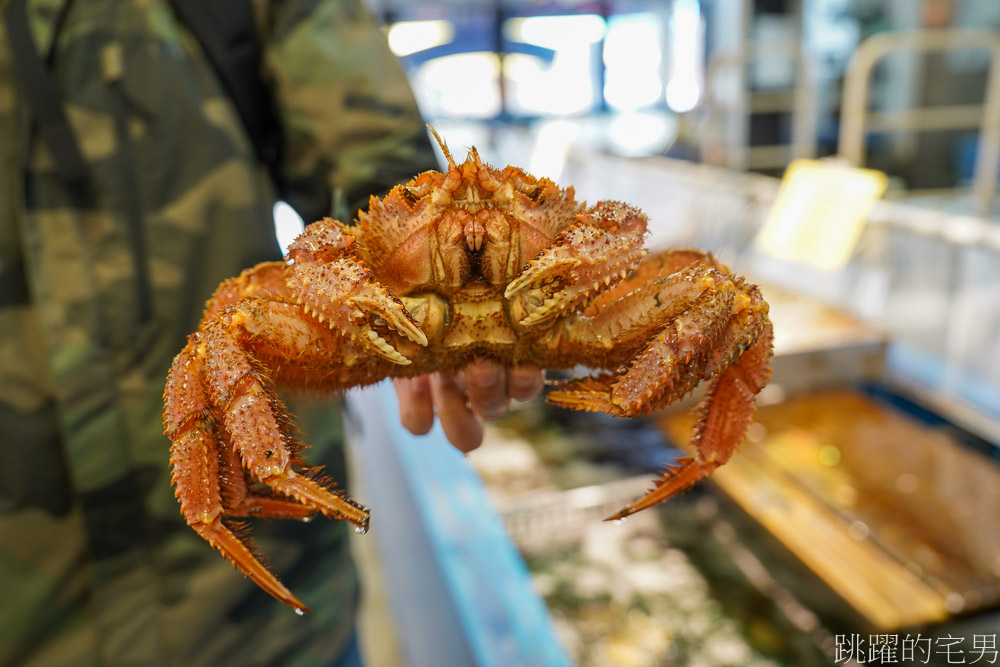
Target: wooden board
<point>897,518</point>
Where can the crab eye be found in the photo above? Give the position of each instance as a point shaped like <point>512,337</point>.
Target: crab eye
<point>409,196</point>
<point>534,194</point>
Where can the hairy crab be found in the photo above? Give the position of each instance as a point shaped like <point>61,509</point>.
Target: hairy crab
<point>472,262</point>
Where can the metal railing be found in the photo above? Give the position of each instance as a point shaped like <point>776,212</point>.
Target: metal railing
<point>857,120</point>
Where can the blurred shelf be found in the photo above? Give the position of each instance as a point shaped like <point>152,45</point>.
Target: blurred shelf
<point>898,519</point>
<point>816,345</point>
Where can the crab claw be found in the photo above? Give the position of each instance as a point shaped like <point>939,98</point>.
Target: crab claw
<point>344,295</point>
<point>553,306</point>
<point>604,244</point>
<point>537,273</point>
<point>376,301</point>
<point>392,312</point>
<point>540,287</point>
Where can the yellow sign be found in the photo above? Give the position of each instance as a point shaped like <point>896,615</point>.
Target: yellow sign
<point>820,212</point>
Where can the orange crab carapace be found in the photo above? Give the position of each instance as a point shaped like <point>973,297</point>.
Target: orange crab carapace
<point>469,263</point>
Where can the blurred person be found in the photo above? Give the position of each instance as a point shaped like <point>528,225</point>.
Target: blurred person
<point>139,164</point>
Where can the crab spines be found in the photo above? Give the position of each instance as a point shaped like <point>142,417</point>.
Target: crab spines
<point>329,503</point>
<point>729,407</point>
<point>600,248</point>
<point>443,145</point>
<point>473,156</point>
<point>676,478</point>
<point>356,318</point>
<point>320,241</point>
<point>184,399</point>
<point>330,281</point>
<point>197,452</point>
<point>617,217</point>
<point>723,418</point>
<point>244,559</point>
<point>649,295</point>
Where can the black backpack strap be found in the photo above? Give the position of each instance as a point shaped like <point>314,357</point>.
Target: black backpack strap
<point>228,36</point>
<point>36,84</point>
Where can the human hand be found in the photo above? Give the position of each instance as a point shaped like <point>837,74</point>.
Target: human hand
<point>482,390</point>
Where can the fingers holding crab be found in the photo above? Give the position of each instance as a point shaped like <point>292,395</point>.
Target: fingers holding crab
<point>482,390</point>
<point>490,386</point>
<point>443,396</point>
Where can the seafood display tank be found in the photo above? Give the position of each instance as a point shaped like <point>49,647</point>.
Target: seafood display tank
<point>863,503</point>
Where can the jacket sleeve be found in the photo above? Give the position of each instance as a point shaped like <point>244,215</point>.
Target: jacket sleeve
<point>352,126</point>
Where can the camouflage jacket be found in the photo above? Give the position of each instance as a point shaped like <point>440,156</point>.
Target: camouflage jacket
<point>96,296</point>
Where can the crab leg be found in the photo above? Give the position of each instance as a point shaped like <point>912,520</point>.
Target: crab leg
<point>695,345</point>
<point>194,458</point>
<point>647,279</point>
<point>239,501</point>
<point>659,335</point>
<point>723,419</point>
<point>258,425</point>
<point>714,326</point>
<point>213,377</point>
